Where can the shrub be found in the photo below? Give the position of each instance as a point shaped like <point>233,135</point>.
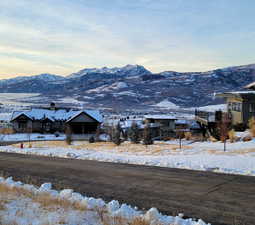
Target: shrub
<point>68,133</point>
<point>188,136</point>
<point>212,139</point>
<point>240,127</point>
<point>252,126</point>
<point>247,138</point>
<point>116,135</point>
<point>134,133</point>
<point>147,135</point>
<point>92,139</point>
<point>232,135</point>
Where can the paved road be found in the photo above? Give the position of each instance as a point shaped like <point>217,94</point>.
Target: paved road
<point>216,198</point>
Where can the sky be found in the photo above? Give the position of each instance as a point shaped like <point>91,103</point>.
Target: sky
<point>65,36</point>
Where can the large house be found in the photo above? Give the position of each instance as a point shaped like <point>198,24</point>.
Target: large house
<point>50,120</point>
<point>162,125</point>
<point>240,106</point>
<point>240,109</point>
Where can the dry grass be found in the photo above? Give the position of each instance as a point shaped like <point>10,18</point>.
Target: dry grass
<point>121,221</point>
<point>235,152</point>
<point>44,199</point>
<point>7,131</point>
<point>50,203</point>
<point>126,147</point>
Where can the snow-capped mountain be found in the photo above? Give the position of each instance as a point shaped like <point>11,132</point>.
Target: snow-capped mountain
<point>134,87</point>
<point>128,70</point>
<point>41,77</point>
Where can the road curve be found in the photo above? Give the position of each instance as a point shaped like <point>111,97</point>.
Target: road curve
<point>216,198</point>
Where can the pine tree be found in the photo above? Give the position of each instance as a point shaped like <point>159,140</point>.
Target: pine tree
<point>68,132</point>
<point>134,133</point>
<point>147,135</point>
<point>116,135</point>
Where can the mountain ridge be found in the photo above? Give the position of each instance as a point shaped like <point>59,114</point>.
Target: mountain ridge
<point>133,86</point>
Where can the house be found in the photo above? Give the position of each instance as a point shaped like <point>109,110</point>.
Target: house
<point>52,119</point>
<point>240,106</point>
<point>162,125</point>
<point>182,124</point>
<point>240,109</point>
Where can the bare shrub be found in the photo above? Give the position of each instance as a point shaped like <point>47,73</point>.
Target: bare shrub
<point>212,139</point>
<point>252,126</point>
<point>247,138</point>
<point>232,136</point>
<point>188,136</point>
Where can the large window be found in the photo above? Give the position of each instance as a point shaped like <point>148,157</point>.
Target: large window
<point>22,125</point>
<point>235,106</point>
<point>252,107</point>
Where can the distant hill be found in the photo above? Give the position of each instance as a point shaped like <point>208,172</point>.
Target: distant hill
<point>134,87</point>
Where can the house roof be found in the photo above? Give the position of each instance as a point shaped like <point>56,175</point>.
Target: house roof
<point>56,115</point>
<point>250,86</point>
<point>240,94</point>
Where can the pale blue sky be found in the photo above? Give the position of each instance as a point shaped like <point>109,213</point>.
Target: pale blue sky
<point>64,36</point>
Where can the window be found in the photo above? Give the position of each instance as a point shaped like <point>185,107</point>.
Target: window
<point>22,125</point>
<point>252,108</point>
<point>235,106</point>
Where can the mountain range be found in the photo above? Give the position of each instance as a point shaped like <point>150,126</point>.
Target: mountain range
<point>134,87</point>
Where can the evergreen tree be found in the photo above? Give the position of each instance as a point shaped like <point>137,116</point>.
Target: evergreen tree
<point>116,135</point>
<point>134,133</point>
<point>147,135</point>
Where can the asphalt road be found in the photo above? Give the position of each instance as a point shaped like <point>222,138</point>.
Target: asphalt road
<point>216,198</point>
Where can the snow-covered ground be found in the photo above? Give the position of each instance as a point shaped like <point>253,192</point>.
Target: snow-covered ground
<point>23,204</point>
<point>206,156</point>
<point>32,137</point>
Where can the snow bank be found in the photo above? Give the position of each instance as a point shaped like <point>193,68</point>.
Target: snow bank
<point>33,214</point>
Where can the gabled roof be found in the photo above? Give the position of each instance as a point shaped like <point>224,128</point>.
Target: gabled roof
<point>250,86</point>
<point>56,115</point>
<point>239,94</point>
<point>91,113</point>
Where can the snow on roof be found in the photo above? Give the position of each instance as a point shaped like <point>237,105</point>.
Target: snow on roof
<point>160,117</point>
<point>236,92</point>
<point>181,121</point>
<point>56,115</point>
<point>250,86</point>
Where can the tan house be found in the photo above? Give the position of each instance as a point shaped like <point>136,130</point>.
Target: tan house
<point>240,106</point>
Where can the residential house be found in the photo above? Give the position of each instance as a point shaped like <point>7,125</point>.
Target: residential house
<point>52,119</point>
<point>162,125</point>
<point>240,106</point>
